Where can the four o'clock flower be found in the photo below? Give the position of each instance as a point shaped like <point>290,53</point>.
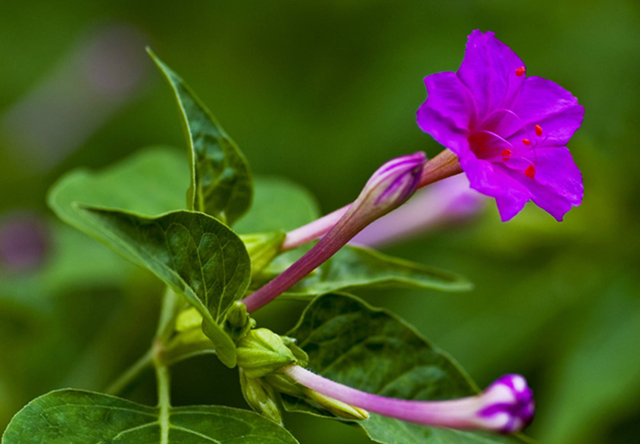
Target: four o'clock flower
<point>506,406</point>
<point>508,130</point>
<point>389,187</point>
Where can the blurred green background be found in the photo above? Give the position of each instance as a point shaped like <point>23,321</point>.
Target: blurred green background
<point>323,93</point>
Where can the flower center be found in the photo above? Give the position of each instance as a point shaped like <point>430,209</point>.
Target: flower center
<point>503,137</point>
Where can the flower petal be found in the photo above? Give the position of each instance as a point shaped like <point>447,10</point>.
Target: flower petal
<point>545,103</point>
<point>489,71</point>
<point>557,185</point>
<point>448,111</point>
<point>496,181</point>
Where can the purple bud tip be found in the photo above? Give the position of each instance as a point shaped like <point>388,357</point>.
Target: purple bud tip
<point>508,405</point>
<point>394,182</point>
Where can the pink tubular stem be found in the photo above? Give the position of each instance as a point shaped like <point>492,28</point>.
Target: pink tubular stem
<point>313,230</point>
<point>339,234</point>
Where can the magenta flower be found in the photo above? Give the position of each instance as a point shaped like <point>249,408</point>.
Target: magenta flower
<point>508,130</point>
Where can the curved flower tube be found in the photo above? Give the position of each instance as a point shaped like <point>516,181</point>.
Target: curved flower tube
<point>506,406</point>
<point>508,130</point>
<point>389,187</point>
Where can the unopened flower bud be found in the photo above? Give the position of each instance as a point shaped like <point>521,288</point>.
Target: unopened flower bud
<point>389,187</point>
<point>261,352</point>
<point>238,322</point>
<point>188,319</point>
<point>261,397</point>
<point>507,406</point>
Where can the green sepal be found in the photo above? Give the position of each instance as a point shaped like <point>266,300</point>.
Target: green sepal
<point>337,408</point>
<point>261,397</point>
<point>262,352</point>
<point>302,358</point>
<point>284,384</point>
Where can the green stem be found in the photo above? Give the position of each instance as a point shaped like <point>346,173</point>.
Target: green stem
<point>168,314</point>
<point>166,325</point>
<point>131,374</point>
<point>164,399</point>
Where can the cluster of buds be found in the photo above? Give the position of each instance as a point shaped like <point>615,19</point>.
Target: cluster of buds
<point>261,356</point>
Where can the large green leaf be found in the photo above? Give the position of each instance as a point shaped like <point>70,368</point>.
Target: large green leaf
<point>371,350</point>
<point>80,417</point>
<point>221,183</point>
<point>278,205</point>
<point>355,267</point>
<point>195,254</point>
<point>151,182</point>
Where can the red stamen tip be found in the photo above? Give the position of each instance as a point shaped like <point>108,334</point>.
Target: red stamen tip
<point>520,71</point>
<point>526,142</point>
<point>538,129</point>
<point>506,152</point>
<point>530,171</point>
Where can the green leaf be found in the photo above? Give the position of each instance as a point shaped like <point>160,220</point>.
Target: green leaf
<point>221,183</point>
<point>151,182</point>
<point>195,254</point>
<point>371,350</point>
<point>356,267</point>
<point>81,417</point>
<point>278,205</point>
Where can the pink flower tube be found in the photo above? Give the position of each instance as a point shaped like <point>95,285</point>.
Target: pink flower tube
<point>506,406</point>
<point>389,187</point>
